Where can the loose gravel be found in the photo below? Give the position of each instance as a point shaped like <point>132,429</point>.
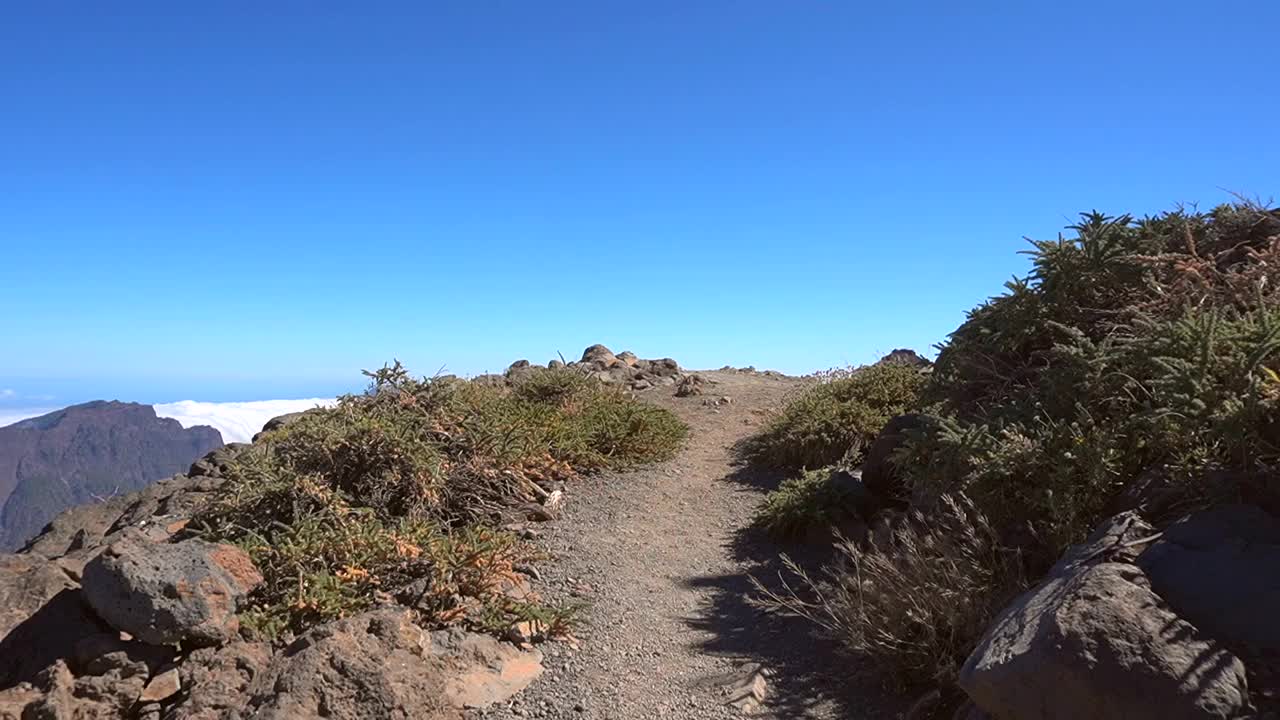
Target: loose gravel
<point>660,558</point>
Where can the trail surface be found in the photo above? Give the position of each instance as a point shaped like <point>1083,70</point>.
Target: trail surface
<point>661,557</point>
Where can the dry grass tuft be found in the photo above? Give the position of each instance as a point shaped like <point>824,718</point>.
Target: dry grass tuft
<point>916,608</point>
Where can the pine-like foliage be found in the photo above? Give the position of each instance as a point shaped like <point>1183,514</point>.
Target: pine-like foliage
<point>1131,344</point>
<point>403,486</point>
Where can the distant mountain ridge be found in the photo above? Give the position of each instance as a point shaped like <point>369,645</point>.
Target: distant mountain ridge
<point>86,453</point>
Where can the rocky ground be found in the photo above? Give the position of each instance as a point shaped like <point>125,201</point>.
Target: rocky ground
<point>660,559</point>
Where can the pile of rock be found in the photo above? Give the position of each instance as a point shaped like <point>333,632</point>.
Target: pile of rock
<point>905,356</point>
<point>624,369</point>
<point>114,612</point>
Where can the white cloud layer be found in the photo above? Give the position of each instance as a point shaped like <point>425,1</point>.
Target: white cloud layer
<point>237,421</point>
<point>9,416</point>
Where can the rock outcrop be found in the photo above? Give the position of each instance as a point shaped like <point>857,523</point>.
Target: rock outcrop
<point>1097,640</point>
<point>113,612</point>
<point>598,361</point>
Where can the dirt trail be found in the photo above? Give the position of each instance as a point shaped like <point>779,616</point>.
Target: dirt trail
<point>661,557</point>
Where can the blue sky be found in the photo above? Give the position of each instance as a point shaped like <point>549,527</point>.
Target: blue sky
<point>237,201</point>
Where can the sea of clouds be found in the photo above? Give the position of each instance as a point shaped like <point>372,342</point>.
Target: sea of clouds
<point>9,416</point>
<point>237,421</point>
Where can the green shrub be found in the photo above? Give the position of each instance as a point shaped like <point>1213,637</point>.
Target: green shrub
<point>1135,344</point>
<point>802,504</point>
<point>402,483</point>
<point>834,420</point>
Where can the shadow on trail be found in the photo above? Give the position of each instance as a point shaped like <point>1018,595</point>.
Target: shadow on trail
<point>747,475</point>
<point>809,669</point>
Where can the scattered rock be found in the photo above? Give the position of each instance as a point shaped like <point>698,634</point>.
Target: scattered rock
<point>165,593</point>
<point>520,369</point>
<point>1095,641</point>
<point>60,695</point>
<point>215,680</point>
<point>482,670</point>
<point>628,370</point>
<point>599,355</point>
<point>161,687</point>
<point>745,688</point>
<point>42,617</point>
<point>903,356</point>
<point>690,385</point>
<point>381,665</point>
<point>215,463</point>
<point>369,666</point>
<point>107,652</point>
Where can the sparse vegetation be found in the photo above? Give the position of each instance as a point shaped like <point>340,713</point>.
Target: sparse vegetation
<point>404,483</point>
<point>834,420</point>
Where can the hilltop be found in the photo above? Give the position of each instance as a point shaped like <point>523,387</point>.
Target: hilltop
<point>87,453</point>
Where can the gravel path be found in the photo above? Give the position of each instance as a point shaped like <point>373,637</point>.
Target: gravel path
<point>661,557</point>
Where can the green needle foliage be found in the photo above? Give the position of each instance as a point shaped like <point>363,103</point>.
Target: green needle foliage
<point>1135,344</point>
<point>804,503</point>
<point>405,483</point>
<point>834,420</point>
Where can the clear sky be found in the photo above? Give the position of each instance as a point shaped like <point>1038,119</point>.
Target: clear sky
<point>249,200</point>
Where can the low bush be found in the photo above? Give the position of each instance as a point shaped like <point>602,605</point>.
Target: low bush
<point>403,483</point>
<point>834,420</point>
<point>801,504</point>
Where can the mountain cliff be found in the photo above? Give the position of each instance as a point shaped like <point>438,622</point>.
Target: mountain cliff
<point>86,453</point>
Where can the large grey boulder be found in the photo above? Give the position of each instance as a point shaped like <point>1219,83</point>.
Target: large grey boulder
<point>1095,641</point>
<point>1220,570</point>
<point>165,593</point>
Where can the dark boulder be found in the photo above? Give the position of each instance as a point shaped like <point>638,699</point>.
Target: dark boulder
<point>1094,640</point>
<point>1220,569</point>
<point>879,474</point>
